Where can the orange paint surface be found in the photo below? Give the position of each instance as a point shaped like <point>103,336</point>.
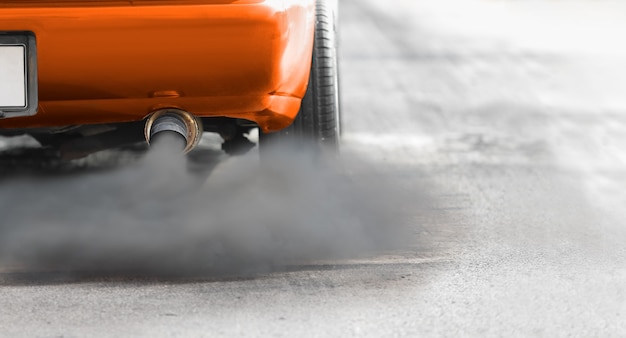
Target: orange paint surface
<point>118,61</point>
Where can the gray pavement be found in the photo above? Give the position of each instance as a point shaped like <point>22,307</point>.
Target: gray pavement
<point>498,129</point>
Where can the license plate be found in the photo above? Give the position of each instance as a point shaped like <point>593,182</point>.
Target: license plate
<point>18,74</point>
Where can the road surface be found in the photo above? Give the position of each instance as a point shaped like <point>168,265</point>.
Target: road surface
<point>489,135</point>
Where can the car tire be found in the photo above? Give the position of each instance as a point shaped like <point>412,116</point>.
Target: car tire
<point>318,123</point>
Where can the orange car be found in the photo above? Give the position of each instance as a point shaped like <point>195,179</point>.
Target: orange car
<point>86,75</point>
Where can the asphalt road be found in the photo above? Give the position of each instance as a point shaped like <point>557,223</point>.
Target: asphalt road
<point>489,135</point>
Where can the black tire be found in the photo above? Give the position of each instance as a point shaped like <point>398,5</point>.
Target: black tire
<point>318,123</point>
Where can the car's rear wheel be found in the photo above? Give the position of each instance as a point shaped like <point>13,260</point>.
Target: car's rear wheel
<point>318,123</point>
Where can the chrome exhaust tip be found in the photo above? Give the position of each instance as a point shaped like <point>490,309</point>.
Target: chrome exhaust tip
<point>174,121</point>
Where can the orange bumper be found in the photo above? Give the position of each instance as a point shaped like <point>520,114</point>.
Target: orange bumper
<point>119,63</point>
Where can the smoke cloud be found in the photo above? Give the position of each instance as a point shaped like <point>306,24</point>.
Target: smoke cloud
<point>207,214</point>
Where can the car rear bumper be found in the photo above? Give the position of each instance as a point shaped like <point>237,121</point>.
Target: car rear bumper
<point>104,64</point>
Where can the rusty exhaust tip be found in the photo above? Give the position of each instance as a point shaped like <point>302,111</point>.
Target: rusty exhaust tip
<point>174,121</point>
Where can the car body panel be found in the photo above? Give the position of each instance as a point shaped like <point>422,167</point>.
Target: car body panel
<point>106,62</point>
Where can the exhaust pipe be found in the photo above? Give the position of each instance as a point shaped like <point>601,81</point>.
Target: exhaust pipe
<point>177,122</point>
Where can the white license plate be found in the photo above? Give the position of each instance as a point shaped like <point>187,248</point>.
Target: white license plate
<point>18,80</point>
<point>13,89</point>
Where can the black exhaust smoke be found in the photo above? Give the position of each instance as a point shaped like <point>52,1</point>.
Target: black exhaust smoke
<point>163,216</point>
